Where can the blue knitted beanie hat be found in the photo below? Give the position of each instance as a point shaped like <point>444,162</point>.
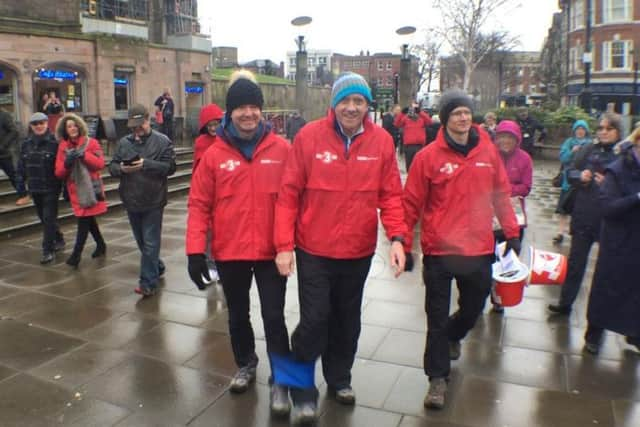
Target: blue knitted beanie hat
<point>349,84</point>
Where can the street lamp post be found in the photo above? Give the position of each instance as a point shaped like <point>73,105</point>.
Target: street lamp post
<point>301,66</point>
<point>635,104</point>
<point>405,68</point>
<point>585,100</point>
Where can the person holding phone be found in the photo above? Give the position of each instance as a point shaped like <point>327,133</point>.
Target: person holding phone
<point>586,175</point>
<point>143,160</point>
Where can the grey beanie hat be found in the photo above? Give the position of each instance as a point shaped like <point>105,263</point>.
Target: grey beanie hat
<point>451,100</point>
<point>38,117</point>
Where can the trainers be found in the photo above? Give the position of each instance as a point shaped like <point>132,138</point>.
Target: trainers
<point>23,200</point>
<point>562,309</point>
<point>454,350</point>
<point>435,396</point>
<point>241,380</point>
<point>304,413</point>
<point>146,291</point>
<point>47,257</point>
<point>634,341</point>
<point>280,405</point>
<point>591,348</point>
<point>344,395</point>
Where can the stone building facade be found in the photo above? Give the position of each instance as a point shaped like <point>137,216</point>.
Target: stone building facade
<point>98,66</point>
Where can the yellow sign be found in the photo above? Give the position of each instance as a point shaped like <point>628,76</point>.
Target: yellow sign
<point>71,90</point>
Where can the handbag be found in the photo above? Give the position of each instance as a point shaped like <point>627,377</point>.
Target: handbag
<point>159,118</point>
<point>556,181</point>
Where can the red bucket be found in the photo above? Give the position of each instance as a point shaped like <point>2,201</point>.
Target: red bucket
<point>509,286</point>
<point>547,268</point>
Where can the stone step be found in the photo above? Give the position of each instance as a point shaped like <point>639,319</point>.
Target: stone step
<point>19,220</point>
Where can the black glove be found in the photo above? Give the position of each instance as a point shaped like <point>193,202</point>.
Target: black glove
<point>512,244</point>
<point>197,269</point>
<point>408,261</point>
<point>70,157</point>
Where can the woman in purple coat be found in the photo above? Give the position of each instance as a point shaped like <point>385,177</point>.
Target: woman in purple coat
<point>519,167</point>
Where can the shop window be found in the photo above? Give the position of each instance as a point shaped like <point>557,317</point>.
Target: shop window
<point>65,84</point>
<point>122,90</point>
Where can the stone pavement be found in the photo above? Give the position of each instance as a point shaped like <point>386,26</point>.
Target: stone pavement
<point>79,348</point>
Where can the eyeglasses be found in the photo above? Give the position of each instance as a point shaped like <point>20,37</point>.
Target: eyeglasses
<point>605,128</point>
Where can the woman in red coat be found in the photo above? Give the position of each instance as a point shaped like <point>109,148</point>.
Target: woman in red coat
<point>79,162</point>
<point>210,117</point>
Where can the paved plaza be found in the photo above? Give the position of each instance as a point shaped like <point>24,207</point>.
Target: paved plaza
<point>79,348</point>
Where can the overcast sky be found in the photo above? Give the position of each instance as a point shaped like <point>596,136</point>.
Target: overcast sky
<point>263,30</point>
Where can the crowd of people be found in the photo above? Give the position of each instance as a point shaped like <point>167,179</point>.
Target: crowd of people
<point>261,207</point>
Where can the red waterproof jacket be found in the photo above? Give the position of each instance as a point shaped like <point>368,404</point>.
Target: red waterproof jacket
<point>331,198</point>
<point>235,198</point>
<point>456,197</point>
<point>94,160</point>
<point>413,131</point>
<point>203,142</point>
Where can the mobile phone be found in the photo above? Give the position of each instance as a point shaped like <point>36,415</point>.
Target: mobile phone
<point>129,162</point>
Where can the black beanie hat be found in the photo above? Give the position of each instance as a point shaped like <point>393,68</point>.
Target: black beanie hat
<point>243,91</point>
<point>451,100</point>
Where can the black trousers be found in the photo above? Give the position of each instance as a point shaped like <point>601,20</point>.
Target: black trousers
<point>167,128</point>
<point>581,242</point>
<point>86,225</point>
<point>330,294</point>
<point>410,151</point>
<point>236,281</point>
<point>47,210</point>
<point>473,278</point>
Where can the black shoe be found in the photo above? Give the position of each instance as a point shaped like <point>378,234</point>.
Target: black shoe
<point>564,310</point>
<point>497,308</point>
<point>47,257</point>
<point>558,239</point>
<point>73,260</point>
<point>454,350</point>
<point>101,250</point>
<point>59,245</point>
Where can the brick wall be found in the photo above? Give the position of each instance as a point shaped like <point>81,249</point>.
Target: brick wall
<point>63,14</point>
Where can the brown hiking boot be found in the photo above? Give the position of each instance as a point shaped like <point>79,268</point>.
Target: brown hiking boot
<point>435,396</point>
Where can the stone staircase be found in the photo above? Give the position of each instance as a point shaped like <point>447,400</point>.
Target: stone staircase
<point>19,220</point>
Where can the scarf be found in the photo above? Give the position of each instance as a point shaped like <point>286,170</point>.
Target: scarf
<point>80,175</point>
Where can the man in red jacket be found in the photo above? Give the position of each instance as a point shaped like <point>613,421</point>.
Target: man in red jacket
<point>455,184</point>
<point>414,125</point>
<point>341,170</point>
<point>233,193</point>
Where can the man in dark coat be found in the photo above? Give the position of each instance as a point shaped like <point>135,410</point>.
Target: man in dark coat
<point>528,127</point>
<point>8,138</point>
<point>614,301</point>
<point>294,124</point>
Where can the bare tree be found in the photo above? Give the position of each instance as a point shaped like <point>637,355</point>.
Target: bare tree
<point>428,54</point>
<point>463,28</point>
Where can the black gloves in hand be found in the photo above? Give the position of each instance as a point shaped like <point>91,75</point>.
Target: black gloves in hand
<point>197,269</point>
<point>408,261</point>
<point>71,157</point>
<point>512,244</point>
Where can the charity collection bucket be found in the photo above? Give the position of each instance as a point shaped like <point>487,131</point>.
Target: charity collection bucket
<point>509,286</point>
<point>547,268</point>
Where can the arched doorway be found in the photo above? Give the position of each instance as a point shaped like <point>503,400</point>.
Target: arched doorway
<point>67,81</point>
<point>9,90</point>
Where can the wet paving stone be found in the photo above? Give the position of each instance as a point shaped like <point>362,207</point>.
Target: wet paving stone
<point>599,378</point>
<point>23,303</point>
<point>162,391</point>
<point>402,348</point>
<point>173,342</point>
<point>24,347</point>
<point>395,315</point>
<point>27,401</point>
<point>117,332</point>
<point>79,366</point>
<point>357,416</point>
<point>626,413</point>
<point>70,318</point>
<point>28,276</point>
